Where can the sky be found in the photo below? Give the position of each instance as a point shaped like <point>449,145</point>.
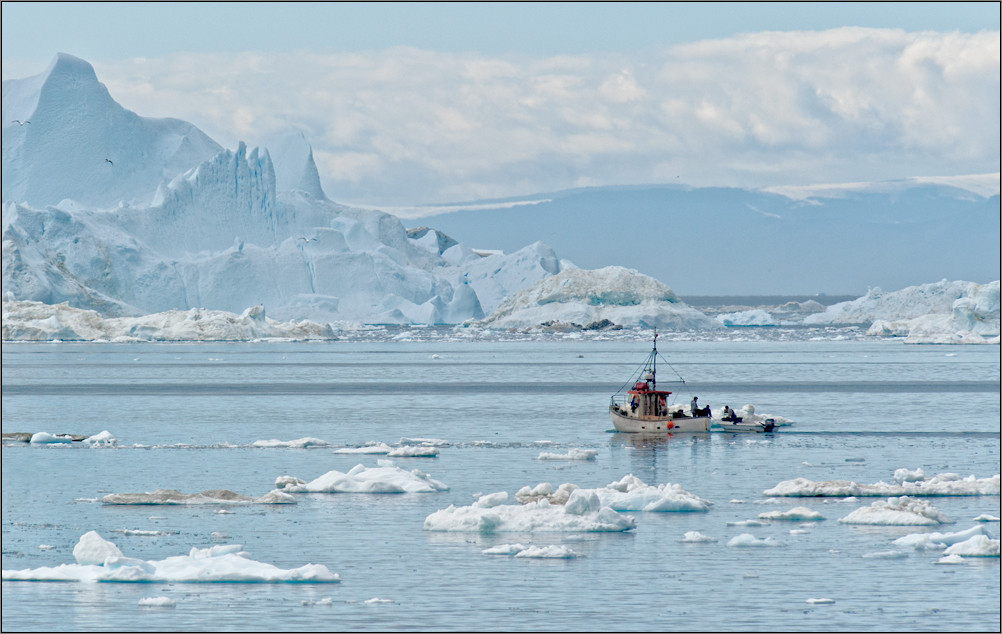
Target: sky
<point>436,103</point>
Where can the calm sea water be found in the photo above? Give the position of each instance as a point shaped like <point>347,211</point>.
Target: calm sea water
<point>862,410</point>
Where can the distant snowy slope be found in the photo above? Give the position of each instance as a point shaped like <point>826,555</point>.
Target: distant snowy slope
<point>174,221</point>
<point>586,298</point>
<point>75,125</point>
<point>730,241</point>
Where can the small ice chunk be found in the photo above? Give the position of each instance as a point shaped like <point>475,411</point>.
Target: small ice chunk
<point>45,547</point>
<point>219,535</point>
<point>986,518</point>
<point>820,601</point>
<point>904,475</point>
<point>582,501</point>
<point>547,552</point>
<point>902,511</point>
<point>223,512</point>
<point>748,523</point>
<point>695,537</point>
<point>377,601</point>
<point>747,540</point>
<point>977,546</point>
<point>414,451</point>
<point>930,541</point>
<point>572,454</point>
<point>799,531</point>
<point>887,554</point>
<point>282,482</point>
<point>797,514</point>
<point>45,438</point>
<point>539,516</point>
<point>381,479</point>
<point>92,549</point>
<point>952,559</point>
<point>104,439</point>
<point>326,601</point>
<point>738,502</point>
<point>504,549</point>
<point>491,500</point>
<point>157,602</point>
<point>138,533</point>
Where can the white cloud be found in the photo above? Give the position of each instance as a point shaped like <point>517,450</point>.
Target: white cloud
<point>404,126</point>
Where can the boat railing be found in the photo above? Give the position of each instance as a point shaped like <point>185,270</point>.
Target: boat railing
<point>622,400</point>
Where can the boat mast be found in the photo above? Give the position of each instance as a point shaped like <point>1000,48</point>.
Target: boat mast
<point>654,362</point>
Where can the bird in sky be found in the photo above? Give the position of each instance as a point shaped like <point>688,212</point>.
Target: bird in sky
<point>309,239</point>
<point>110,161</point>
<point>19,122</point>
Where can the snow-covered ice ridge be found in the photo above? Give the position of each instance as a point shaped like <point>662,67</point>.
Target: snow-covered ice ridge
<point>99,560</point>
<point>128,216</point>
<point>595,299</point>
<point>943,312</point>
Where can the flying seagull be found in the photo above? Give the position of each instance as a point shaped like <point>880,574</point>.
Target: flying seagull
<point>19,122</point>
<point>110,161</point>
<point>309,239</point>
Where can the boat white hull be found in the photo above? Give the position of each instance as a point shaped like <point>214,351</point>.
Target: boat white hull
<point>656,424</point>
<point>745,427</point>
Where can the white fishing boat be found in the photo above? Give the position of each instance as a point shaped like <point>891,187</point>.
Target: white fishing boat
<point>646,409</point>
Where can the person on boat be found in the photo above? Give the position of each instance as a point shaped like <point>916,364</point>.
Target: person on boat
<point>728,413</point>
<point>695,406</point>
<point>634,404</point>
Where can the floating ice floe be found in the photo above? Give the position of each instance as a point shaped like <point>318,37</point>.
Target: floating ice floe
<point>799,531</point>
<point>128,532</point>
<point>747,540</point>
<point>378,601</point>
<point>104,439</point>
<point>299,443</point>
<point>572,454</point>
<point>944,484</point>
<point>748,523</point>
<point>902,511</point>
<point>505,549</point>
<point>547,552</point>
<point>695,537</point>
<point>797,514</point>
<point>157,602</point>
<point>976,546</point>
<point>938,541</point>
<point>628,494</point>
<point>434,442</point>
<point>583,512</point>
<point>202,565</point>
<point>986,518</point>
<point>820,601</point>
<point>887,554</point>
<point>369,448</point>
<point>386,478</point>
<point>217,496</point>
<point>45,438</point>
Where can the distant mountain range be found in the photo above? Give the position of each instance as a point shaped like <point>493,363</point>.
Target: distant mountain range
<point>729,241</point>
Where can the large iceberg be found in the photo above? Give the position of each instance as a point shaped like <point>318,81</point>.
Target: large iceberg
<point>586,299</point>
<point>100,560</point>
<point>127,216</point>
<point>943,312</point>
